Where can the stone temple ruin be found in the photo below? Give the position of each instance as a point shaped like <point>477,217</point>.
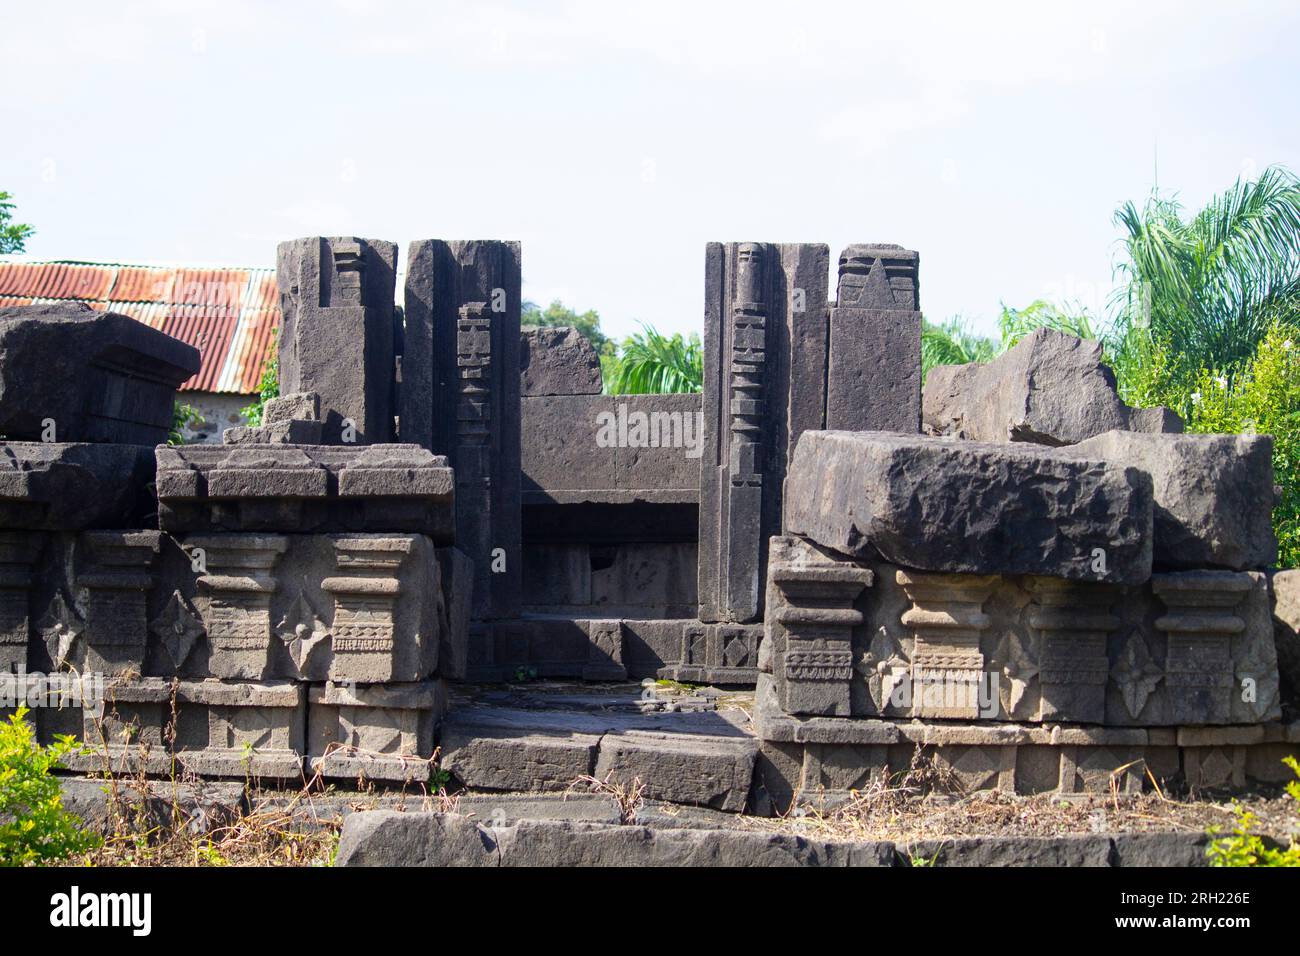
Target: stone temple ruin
<point>1044,589</point>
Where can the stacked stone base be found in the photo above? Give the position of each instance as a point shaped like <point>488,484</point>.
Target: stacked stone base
<point>268,731</point>
<point>810,759</point>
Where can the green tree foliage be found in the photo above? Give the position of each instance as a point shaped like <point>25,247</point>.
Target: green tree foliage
<point>643,362</point>
<point>558,314</point>
<point>1205,291</point>
<point>954,343</point>
<point>267,389</point>
<point>183,415</point>
<point>1015,324</point>
<point>1264,398</point>
<point>13,235</point>
<point>651,362</point>
<point>34,827</point>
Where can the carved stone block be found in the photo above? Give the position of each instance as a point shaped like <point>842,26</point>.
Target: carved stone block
<point>337,340</point>
<point>300,488</point>
<point>460,397</point>
<point>378,733</point>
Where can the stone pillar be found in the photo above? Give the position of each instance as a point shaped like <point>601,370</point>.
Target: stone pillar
<point>817,615</point>
<point>114,588</point>
<point>460,398</point>
<point>365,599</point>
<point>19,551</point>
<point>874,376</point>
<point>1200,624</point>
<point>1074,619</point>
<point>238,586</point>
<point>337,336</point>
<point>946,619</point>
<point>764,384</point>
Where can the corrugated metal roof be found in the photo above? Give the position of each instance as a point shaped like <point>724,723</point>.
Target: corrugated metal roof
<point>229,315</point>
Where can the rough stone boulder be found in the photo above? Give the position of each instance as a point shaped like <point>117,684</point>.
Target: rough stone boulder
<point>558,361</point>
<point>938,504</point>
<point>1213,495</point>
<point>93,376</point>
<point>1051,389</point>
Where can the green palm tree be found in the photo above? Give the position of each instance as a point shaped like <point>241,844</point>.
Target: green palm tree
<point>1015,324</point>
<point>1203,292</point>
<point>649,362</point>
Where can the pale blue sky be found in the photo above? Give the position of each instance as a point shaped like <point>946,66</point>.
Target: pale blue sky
<point>614,141</point>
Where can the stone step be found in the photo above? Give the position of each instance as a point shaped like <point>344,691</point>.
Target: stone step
<point>385,838</point>
<point>699,759</point>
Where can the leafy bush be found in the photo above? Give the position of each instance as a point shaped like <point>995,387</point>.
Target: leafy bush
<point>183,416</point>
<point>1244,848</point>
<point>1264,398</point>
<point>34,827</point>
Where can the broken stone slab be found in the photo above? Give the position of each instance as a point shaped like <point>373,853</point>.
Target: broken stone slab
<point>196,807</point>
<point>1214,495</point>
<point>292,432</point>
<point>337,340</point>
<point>388,838</point>
<point>701,759</point>
<point>286,420</point>
<point>392,838</point>
<point>491,758</point>
<point>939,504</point>
<point>558,361</point>
<point>298,406</point>
<point>55,486</point>
<point>69,373</point>
<point>691,769</point>
<point>1050,389</point>
<point>285,488</point>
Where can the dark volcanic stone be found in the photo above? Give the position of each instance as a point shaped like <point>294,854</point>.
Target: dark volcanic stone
<point>981,508</point>
<point>558,361</point>
<point>1213,495</point>
<point>1050,389</point>
<point>97,376</point>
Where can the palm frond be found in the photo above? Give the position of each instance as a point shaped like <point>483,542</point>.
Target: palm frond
<point>649,362</point>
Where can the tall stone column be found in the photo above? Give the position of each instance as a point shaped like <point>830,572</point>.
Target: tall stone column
<point>460,398</point>
<point>764,384</point>
<point>874,375</point>
<point>1075,619</point>
<point>337,332</point>
<point>946,619</point>
<point>1200,623</point>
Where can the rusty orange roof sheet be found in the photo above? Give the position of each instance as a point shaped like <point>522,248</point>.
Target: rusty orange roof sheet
<point>230,315</point>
